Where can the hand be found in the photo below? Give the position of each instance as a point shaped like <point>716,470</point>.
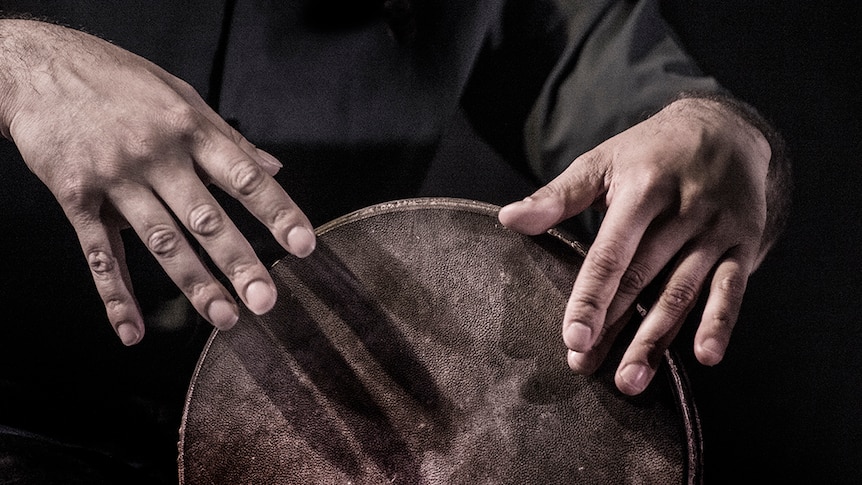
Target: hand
<point>687,187</point>
<point>120,142</point>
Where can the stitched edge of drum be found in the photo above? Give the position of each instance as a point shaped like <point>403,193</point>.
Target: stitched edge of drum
<point>422,203</point>
<point>690,416</point>
<point>182,431</point>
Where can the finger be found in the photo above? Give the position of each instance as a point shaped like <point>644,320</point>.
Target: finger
<point>228,249</point>
<point>660,244</point>
<point>654,254</point>
<point>664,319</point>
<point>569,194</point>
<point>103,249</point>
<point>597,281</point>
<point>163,237</point>
<point>588,362</point>
<point>243,179</point>
<point>722,308</point>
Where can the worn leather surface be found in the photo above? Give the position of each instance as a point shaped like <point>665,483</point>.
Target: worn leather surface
<point>420,344</point>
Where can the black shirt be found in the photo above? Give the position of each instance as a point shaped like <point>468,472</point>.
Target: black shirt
<point>354,112</point>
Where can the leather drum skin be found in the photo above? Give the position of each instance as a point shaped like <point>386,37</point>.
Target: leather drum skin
<point>420,344</point>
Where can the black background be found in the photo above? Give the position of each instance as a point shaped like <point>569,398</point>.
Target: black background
<point>786,403</point>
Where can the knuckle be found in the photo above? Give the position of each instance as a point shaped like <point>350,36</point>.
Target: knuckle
<point>181,120</point>
<point>206,220</point>
<point>115,304</point>
<point>178,125</point>
<point>197,289</point>
<point>650,345</point>
<point>163,241</point>
<point>584,307</point>
<point>723,321</point>
<point>139,146</point>
<point>732,287</point>
<point>606,260</point>
<point>74,193</point>
<point>241,271</point>
<point>678,297</point>
<point>284,217</point>
<point>646,349</point>
<point>652,179</point>
<point>102,264</point>
<point>245,177</point>
<point>697,205</point>
<point>634,280</point>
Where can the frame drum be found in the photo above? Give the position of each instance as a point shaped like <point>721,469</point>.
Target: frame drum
<point>420,344</point>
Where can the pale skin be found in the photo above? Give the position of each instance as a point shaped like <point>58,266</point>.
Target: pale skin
<point>688,183</point>
<point>122,143</point>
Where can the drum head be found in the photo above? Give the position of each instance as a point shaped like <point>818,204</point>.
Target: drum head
<point>420,344</point>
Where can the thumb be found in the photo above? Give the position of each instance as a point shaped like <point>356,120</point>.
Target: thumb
<point>569,194</point>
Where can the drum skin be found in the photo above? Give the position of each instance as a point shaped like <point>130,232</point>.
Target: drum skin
<point>420,344</point>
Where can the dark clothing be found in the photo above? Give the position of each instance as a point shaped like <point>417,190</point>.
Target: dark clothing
<point>354,114</point>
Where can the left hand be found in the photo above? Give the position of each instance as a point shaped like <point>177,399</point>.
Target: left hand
<point>688,185</point>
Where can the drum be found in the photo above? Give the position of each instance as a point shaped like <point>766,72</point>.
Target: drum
<point>420,344</point>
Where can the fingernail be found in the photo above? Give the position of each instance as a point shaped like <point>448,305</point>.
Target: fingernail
<point>714,348</point>
<point>260,297</point>
<point>301,241</point>
<point>635,378</point>
<point>576,361</point>
<point>222,314</point>
<point>525,201</point>
<point>269,159</point>
<point>128,333</point>
<point>578,337</point>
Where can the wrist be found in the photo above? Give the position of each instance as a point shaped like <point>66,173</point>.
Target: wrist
<point>744,112</point>
<point>778,177</point>
<point>25,44</point>
<point>13,68</point>
<point>10,67</point>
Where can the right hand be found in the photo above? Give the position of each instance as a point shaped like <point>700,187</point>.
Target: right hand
<point>120,142</point>
<point>687,189</point>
